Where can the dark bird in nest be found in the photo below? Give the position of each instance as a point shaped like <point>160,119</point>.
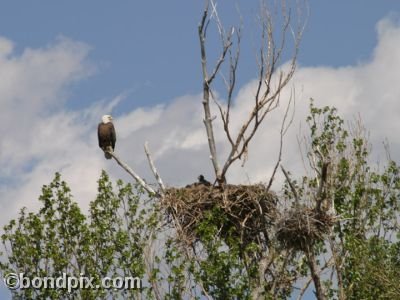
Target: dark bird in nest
<point>203,181</point>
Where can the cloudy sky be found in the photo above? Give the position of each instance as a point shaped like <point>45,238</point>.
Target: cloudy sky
<point>64,64</point>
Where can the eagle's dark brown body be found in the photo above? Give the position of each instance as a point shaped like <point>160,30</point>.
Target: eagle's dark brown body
<point>107,137</point>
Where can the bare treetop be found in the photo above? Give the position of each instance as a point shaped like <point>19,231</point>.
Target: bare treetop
<point>271,79</point>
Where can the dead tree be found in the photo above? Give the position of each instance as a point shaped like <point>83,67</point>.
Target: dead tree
<point>278,27</point>
<point>271,78</point>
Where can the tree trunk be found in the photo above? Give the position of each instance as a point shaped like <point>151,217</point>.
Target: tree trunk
<point>312,263</point>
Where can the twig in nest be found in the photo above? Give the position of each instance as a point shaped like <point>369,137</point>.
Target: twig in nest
<point>243,211</point>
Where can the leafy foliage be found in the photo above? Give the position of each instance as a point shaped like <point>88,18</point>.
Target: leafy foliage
<point>125,233</point>
<point>60,239</point>
<point>363,242</point>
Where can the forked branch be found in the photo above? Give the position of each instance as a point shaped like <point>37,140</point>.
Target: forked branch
<point>207,80</point>
<point>271,80</point>
<point>154,169</point>
<point>131,172</point>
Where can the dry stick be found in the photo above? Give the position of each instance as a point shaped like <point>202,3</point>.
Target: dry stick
<point>153,167</point>
<point>230,86</point>
<point>206,92</point>
<point>268,104</point>
<point>266,101</point>
<point>133,174</point>
<point>282,134</point>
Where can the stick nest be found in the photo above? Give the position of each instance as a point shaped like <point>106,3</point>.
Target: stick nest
<point>240,211</point>
<point>302,226</point>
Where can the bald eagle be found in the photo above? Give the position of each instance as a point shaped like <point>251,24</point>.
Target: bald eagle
<point>106,135</point>
<point>203,181</point>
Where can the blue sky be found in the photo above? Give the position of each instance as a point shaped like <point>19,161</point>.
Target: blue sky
<point>150,48</point>
<point>64,64</point>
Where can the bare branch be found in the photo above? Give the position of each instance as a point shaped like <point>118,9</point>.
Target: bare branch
<point>283,131</point>
<point>206,94</point>
<point>230,85</point>
<point>270,83</point>
<point>153,168</point>
<point>138,179</point>
<point>266,98</point>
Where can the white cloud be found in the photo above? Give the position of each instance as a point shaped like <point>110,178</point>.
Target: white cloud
<point>39,136</point>
<point>6,47</point>
<point>137,119</point>
<point>370,88</point>
<point>49,137</point>
<point>32,85</point>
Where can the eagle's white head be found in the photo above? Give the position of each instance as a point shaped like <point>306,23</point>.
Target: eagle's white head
<point>106,119</point>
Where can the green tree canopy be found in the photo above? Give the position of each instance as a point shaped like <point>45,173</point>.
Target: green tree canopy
<point>128,233</point>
